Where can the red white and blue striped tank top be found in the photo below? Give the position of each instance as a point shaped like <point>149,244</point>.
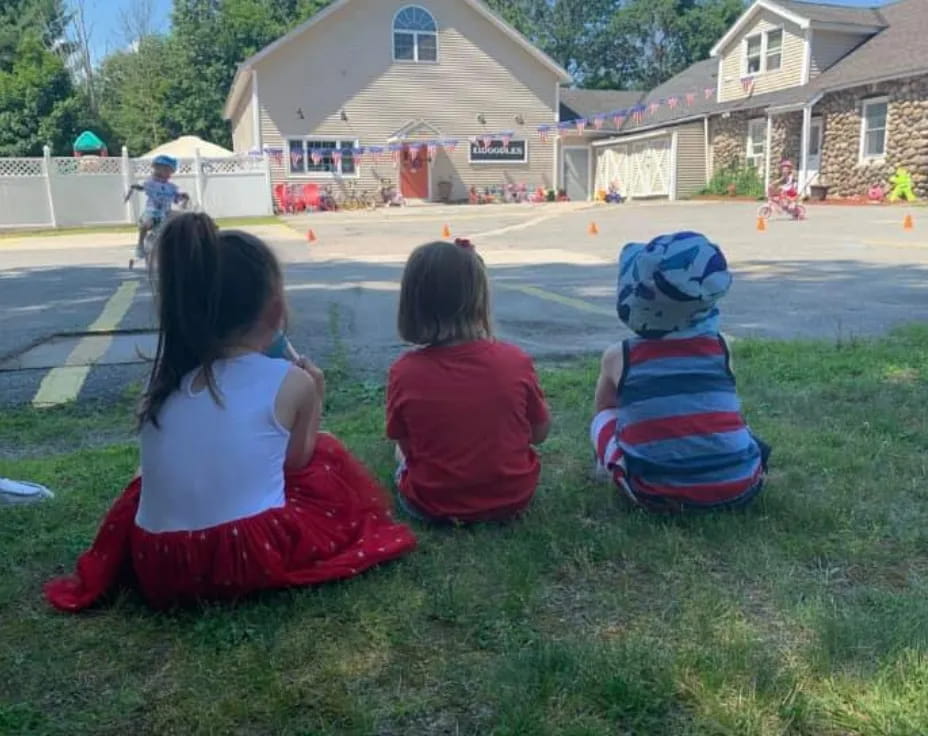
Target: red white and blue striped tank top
<point>680,425</point>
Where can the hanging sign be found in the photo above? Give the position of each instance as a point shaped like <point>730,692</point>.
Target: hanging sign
<point>496,151</point>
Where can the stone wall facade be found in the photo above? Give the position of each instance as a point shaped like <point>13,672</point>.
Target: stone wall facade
<point>907,137</point>
<point>728,140</point>
<point>785,142</point>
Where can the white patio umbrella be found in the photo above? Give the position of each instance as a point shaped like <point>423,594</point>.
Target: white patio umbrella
<point>185,146</point>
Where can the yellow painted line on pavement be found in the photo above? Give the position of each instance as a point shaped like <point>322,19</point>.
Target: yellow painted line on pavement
<point>63,384</point>
<point>550,296</point>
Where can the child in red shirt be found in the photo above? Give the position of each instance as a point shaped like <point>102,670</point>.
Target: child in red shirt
<point>464,409</point>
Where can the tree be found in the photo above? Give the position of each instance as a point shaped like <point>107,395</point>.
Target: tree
<point>46,18</point>
<point>135,87</point>
<point>37,101</point>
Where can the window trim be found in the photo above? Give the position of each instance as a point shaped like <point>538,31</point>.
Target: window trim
<point>764,50</point>
<point>864,104</point>
<point>329,175</point>
<point>767,69</point>
<point>747,58</point>
<point>750,156</point>
<point>415,35</point>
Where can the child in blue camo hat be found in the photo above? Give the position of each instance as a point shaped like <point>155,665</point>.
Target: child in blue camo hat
<point>669,427</point>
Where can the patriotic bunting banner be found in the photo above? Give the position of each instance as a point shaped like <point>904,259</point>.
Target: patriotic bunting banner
<point>544,133</point>
<point>337,157</point>
<point>450,146</point>
<point>296,158</point>
<point>618,119</point>
<point>747,84</point>
<point>486,140</point>
<point>638,115</point>
<point>690,98</point>
<point>506,138</point>
<point>581,125</point>
<point>654,107</point>
<point>708,92</point>
<point>432,149</point>
<point>277,154</point>
<point>672,102</point>
<point>316,156</point>
<point>599,121</point>
<point>413,153</point>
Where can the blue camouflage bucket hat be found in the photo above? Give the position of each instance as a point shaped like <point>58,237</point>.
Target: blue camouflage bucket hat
<point>672,285</point>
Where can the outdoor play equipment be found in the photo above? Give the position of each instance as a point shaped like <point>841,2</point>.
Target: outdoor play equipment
<point>903,186</point>
<point>89,144</point>
<point>778,202</point>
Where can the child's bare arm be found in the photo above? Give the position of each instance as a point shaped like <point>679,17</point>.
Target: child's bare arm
<point>609,374</point>
<point>299,409</point>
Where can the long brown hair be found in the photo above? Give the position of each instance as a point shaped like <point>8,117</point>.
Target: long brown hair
<point>445,296</point>
<point>212,288</point>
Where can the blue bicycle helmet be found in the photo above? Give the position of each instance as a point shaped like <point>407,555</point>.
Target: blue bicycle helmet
<point>165,160</point>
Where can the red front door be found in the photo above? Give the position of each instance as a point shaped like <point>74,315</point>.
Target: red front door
<point>414,174</point>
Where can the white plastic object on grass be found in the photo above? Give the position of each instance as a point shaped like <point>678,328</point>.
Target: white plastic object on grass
<point>17,492</point>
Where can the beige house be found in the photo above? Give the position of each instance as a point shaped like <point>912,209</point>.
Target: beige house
<point>841,91</point>
<point>456,92</point>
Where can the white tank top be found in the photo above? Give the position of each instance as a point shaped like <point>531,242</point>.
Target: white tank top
<point>209,464</point>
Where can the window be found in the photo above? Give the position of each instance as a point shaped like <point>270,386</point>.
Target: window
<point>774,54</point>
<point>757,142</point>
<point>301,156</point>
<point>754,50</point>
<point>415,35</point>
<point>873,133</point>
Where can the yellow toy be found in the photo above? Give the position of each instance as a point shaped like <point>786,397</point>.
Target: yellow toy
<point>903,187</point>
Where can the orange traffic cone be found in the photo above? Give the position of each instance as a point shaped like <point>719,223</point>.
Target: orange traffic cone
<point>761,225</point>
<point>908,223</point>
<point>311,236</point>
<point>594,229</point>
<point>446,232</point>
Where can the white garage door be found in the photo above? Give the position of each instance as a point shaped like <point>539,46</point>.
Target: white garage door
<point>641,168</point>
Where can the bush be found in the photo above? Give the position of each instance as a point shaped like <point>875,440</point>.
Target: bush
<point>736,181</point>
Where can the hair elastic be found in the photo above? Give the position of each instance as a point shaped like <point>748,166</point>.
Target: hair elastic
<point>464,243</point>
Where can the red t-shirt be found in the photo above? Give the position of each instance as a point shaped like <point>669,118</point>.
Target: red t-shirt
<point>463,416</point>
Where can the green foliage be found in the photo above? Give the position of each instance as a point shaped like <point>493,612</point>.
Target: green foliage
<point>38,104</point>
<point>737,180</point>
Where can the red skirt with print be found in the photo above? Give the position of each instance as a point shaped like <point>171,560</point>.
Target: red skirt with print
<point>336,524</point>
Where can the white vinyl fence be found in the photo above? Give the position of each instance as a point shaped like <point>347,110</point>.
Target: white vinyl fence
<point>67,192</point>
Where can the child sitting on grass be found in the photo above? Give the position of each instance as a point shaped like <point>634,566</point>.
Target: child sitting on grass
<point>668,420</point>
<point>464,409</point>
<point>239,490</point>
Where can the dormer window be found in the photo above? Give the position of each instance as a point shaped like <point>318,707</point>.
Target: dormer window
<point>774,50</point>
<point>415,35</point>
<point>755,54</point>
<point>763,52</point>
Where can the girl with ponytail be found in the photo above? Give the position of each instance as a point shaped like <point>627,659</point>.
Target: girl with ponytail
<point>239,491</point>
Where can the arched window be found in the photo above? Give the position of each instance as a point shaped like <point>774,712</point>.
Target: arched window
<point>415,35</point>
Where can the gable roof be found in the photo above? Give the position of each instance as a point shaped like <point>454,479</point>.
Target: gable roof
<point>238,82</point>
<point>898,51</point>
<point>808,15</point>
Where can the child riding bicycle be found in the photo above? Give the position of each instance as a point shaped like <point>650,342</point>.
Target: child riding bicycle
<point>783,195</point>
<point>161,193</point>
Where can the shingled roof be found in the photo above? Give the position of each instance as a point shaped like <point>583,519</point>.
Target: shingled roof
<point>823,13</point>
<point>899,49</point>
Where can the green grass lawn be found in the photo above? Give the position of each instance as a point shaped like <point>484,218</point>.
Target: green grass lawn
<point>808,614</point>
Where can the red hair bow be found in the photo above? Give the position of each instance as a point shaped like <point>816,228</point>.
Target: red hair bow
<point>464,243</point>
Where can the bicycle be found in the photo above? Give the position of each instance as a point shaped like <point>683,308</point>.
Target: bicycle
<point>148,242</point>
<point>778,203</point>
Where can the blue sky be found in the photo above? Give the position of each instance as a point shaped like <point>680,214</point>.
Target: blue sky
<point>104,16</point>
